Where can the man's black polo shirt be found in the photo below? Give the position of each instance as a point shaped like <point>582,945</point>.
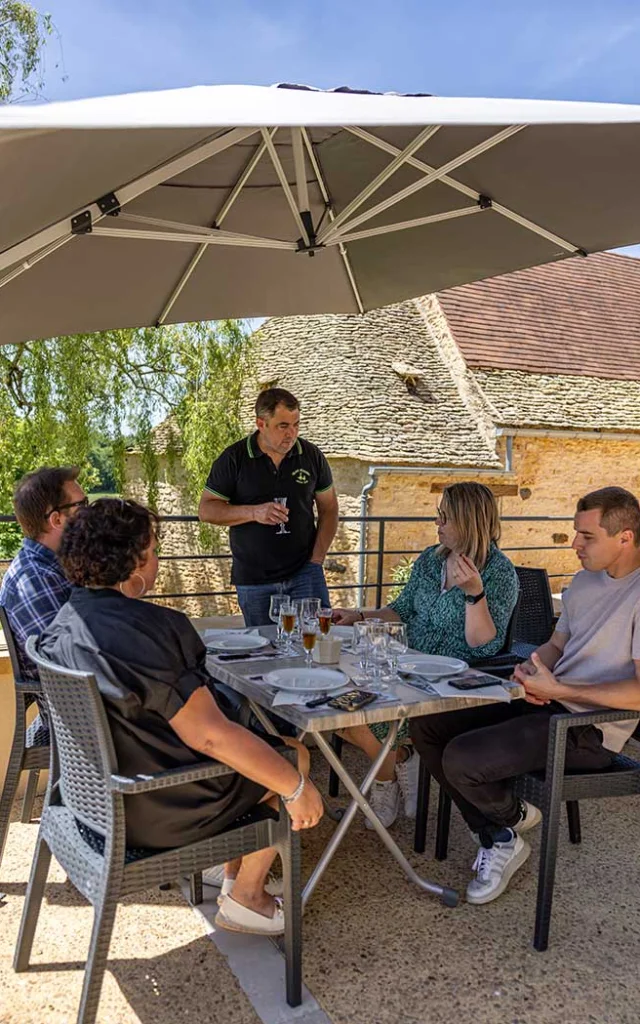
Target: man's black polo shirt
<point>244,475</point>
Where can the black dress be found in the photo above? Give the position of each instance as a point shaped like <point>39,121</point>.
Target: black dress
<point>147,661</point>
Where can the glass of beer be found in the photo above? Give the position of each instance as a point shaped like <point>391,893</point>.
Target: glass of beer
<point>309,634</point>
<point>324,620</point>
<point>288,623</point>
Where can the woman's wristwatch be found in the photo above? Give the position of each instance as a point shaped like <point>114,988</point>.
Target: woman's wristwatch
<point>297,791</point>
<point>361,614</point>
<point>474,598</point>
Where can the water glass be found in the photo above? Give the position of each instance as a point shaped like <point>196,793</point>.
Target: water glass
<point>378,654</point>
<point>396,646</point>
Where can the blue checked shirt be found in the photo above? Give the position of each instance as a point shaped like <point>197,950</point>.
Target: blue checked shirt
<point>33,589</point>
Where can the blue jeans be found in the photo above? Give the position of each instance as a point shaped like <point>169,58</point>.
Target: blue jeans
<point>254,598</point>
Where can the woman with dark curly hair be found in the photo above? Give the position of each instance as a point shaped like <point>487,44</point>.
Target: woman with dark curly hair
<point>149,663</point>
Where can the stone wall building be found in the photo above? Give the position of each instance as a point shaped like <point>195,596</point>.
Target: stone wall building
<point>528,382</point>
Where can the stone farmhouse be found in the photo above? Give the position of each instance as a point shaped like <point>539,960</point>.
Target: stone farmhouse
<point>528,382</point>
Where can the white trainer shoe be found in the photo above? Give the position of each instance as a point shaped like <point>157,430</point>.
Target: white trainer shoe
<point>532,816</point>
<point>385,801</point>
<point>407,776</point>
<point>494,868</point>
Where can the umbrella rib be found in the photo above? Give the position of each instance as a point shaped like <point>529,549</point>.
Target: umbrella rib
<point>435,175</point>
<point>301,176</point>
<point>317,170</point>
<point>417,222</point>
<point>224,210</point>
<point>286,187</point>
<point>125,194</point>
<point>466,190</point>
<point>402,156</point>
<point>214,237</point>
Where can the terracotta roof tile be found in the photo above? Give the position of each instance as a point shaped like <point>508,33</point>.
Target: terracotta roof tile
<point>578,316</point>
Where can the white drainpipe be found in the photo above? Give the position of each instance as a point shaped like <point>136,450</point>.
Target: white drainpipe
<point>374,472</point>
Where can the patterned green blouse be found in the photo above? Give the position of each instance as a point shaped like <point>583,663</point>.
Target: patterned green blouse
<point>435,618</point>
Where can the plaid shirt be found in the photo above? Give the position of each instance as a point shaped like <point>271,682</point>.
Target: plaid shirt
<point>33,589</point>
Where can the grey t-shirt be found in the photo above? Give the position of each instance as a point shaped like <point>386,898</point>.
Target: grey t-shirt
<point>602,617</point>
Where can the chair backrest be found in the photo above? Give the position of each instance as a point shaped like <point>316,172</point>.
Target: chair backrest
<point>534,621</point>
<point>85,753</point>
<point>11,643</point>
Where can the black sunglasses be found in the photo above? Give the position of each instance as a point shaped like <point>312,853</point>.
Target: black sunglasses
<point>82,503</point>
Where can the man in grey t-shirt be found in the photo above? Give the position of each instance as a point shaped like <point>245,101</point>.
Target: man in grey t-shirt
<point>591,661</point>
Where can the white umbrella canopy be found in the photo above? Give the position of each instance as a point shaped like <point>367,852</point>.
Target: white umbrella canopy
<point>235,201</point>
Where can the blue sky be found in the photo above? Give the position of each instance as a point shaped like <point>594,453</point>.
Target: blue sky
<point>566,49</point>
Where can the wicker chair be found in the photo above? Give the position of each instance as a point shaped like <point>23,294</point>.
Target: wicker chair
<point>83,826</point>
<point>547,790</point>
<point>30,746</point>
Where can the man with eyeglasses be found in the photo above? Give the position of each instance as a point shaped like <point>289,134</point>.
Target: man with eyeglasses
<point>34,587</point>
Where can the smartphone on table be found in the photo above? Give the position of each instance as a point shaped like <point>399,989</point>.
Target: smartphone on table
<point>475,682</point>
<point>352,701</point>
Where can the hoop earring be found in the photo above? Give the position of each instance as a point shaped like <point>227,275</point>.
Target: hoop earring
<point>144,586</point>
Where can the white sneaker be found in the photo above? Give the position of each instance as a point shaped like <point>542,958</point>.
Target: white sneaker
<point>532,816</point>
<point>407,776</point>
<point>385,801</point>
<point>494,867</point>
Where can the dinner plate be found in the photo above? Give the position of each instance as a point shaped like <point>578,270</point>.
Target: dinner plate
<point>240,642</point>
<point>311,680</point>
<point>431,665</point>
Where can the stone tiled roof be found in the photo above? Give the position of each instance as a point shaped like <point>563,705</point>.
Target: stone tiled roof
<point>354,403</point>
<point>578,316</point>
<point>558,401</point>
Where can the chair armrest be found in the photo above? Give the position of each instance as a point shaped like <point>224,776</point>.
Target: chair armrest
<point>28,686</point>
<point>173,777</point>
<point>560,724</point>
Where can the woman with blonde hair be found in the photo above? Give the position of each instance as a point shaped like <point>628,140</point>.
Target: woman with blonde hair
<point>457,602</point>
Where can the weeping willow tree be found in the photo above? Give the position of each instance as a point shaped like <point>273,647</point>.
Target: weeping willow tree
<point>58,396</point>
<point>23,34</point>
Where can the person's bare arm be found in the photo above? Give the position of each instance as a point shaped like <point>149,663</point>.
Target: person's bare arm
<point>223,513</point>
<point>327,505</point>
<point>541,685</point>
<point>201,726</point>
<point>347,616</point>
<point>548,653</point>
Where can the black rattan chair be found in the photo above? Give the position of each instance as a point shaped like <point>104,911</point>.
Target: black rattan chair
<point>83,826</point>
<point>30,746</point>
<point>547,790</point>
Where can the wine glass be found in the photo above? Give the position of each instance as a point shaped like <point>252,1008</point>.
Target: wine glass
<point>378,639</point>
<point>360,647</point>
<point>396,645</point>
<point>324,620</point>
<point>283,526</point>
<point>288,623</point>
<point>275,603</point>
<point>309,636</point>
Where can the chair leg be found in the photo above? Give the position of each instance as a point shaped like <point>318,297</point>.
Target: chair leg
<point>422,814</point>
<point>32,904</point>
<point>195,889</point>
<point>547,872</point>
<point>573,819</point>
<point>334,781</point>
<point>292,882</point>
<point>6,800</point>
<point>104,917</point>
<point>29,796</point>
<point>444,818</point>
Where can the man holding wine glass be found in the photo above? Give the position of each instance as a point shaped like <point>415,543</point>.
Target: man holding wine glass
<point>266,488</point>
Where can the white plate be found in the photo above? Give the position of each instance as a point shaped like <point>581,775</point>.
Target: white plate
<point>431,665</point>
<point>241,642</point>
<point>301,680</point>
<point>342,632</point>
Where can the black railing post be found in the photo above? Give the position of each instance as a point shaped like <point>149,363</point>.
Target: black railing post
<point>380,574</point>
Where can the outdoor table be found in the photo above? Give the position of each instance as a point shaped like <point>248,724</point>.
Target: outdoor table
<point>410,703</point>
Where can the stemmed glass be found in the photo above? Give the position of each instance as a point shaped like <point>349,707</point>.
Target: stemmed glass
<point>283,526</point>
<point>360,647</point>
<point>288,623</point>
<point>324,620</point>
<point>378,641</point>
<point>396,645</point>
<point>309,636</point>
<point>275,605</point>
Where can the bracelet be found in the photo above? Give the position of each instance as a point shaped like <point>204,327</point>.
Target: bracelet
<point>361,614</point>
<point>297,791</point>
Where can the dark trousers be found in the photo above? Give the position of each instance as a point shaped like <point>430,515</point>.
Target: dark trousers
<point>475,753</point>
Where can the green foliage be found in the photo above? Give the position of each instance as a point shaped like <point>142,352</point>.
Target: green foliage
<point>76,399</point>
<point>400,575</point>
<point>23,33</point>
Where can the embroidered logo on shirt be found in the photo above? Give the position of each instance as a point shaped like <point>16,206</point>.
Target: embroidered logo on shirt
<point>301,476</point>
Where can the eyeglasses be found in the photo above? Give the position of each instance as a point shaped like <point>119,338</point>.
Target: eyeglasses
<point>442,516</point>
<point>82,503</point>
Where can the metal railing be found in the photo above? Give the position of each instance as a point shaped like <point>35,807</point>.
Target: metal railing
<point>378,552</point>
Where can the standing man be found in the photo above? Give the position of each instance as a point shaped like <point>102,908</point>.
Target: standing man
<point>275,547</point>
<point>34,587</point>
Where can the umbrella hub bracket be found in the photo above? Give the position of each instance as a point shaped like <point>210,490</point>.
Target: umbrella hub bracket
<point>311,246</point>
<point>82,223</point>
<point>109,204</point>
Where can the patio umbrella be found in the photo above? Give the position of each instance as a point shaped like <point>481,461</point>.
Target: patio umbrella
<point>225,201</point>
